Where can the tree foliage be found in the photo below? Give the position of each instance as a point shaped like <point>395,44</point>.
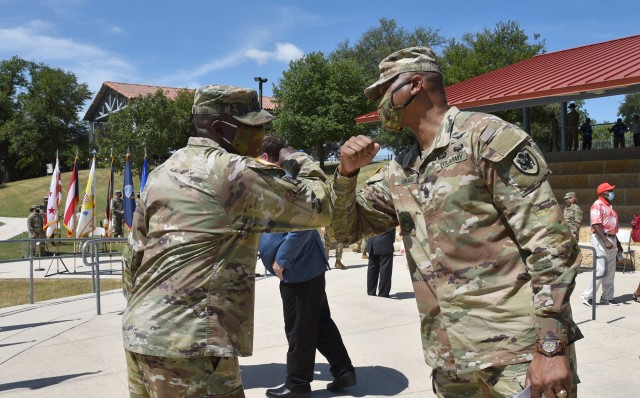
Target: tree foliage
<point>491,49</point>
<point>374,45</point>
<point>154,122</point>
<point>629,107</point>
<point>318,100</point>
<point>39,108</point>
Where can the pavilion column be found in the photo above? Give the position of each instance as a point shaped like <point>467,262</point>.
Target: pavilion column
<point>563,125</point>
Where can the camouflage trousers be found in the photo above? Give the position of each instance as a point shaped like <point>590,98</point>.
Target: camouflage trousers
<point>195,377</point>
<point>327,246</point>
<point>118,229</point>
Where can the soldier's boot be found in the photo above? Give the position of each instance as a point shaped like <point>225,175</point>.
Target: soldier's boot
<point>339,265</point>
<point>365,255</point>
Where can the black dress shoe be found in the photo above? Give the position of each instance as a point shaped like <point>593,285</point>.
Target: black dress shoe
<point>344,380</point>
<point>284,392</point>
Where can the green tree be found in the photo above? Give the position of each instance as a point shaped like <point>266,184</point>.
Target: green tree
<point>629,107</point>
<point>479,53</point>
<point>318,100</point>
<point>38,117</point>
<point>154,122</point>
<point>374,45</point>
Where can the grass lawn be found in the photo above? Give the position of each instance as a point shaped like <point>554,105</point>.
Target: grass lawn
<point>16,197</point>
<point>16,291</point>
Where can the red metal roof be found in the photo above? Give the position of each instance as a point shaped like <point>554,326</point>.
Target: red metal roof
<point>596,70</point>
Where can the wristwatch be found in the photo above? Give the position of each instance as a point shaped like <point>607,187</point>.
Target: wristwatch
<point>550,347</point>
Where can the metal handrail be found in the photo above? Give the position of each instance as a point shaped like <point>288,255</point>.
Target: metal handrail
<point>95,262</point>
<point>95,242</point>
<point>595,277</point>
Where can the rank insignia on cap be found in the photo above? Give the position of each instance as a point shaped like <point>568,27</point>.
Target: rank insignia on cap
<point>526,162</point>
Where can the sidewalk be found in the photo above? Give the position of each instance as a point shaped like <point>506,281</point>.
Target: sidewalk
<point>60,348</point>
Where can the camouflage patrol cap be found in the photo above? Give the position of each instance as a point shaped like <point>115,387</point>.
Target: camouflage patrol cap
<point>240,103</point>
<point>118,191</point>
<point>570,195</point>
<point>412,59</point>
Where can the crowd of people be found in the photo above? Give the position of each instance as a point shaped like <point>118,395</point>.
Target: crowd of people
<point>492,284</point>
<point>576,132</point>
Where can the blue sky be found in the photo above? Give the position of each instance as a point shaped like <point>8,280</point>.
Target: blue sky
<point>190,43</point>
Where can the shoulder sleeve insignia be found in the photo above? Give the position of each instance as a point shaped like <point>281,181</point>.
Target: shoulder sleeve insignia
<point>526,162</point>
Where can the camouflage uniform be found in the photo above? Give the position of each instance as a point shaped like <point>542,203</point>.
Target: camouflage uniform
<point>35,224</point>
<point>573,125</point>
<point>573,219</point>
<point>117,216</point>
<point>191,257</point>
<point>483,235</point>
<point>327,237</point>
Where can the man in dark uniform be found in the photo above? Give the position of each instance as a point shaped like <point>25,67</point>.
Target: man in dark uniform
<point>380,249</point>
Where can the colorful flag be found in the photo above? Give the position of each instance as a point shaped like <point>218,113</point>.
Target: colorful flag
<point>72,201</point>
<point>108,210</point>
<point>86,222</point>
<point>129,201</point>
<point>55,200</point>
<point>145,171</point>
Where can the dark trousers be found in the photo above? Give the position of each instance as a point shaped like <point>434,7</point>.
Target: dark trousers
<point>379,266</point>
<point>308,325</point>
<point>586,143</point>
<point>618,142</point>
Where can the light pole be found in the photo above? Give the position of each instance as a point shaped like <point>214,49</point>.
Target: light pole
<point>260,80</point>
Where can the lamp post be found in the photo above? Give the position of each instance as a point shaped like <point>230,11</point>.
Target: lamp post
<point>260,80</point>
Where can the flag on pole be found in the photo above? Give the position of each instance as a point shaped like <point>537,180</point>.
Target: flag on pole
<point>129,201</point>
<point>108,211</point>
<point>145,171</point>
<point>55,200</point>
<point>86,222</point>
<point>69,220</point>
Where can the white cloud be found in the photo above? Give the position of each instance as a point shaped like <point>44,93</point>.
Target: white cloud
<point>90,63</point>
<point>283,52</point>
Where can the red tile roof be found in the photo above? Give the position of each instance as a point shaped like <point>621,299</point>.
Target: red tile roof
<point>133,90</point>
<point>596,70</point>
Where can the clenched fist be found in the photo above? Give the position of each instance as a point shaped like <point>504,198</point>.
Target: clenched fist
<point>356,153</point>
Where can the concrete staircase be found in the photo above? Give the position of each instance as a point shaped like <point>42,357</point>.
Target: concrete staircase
<point>582,171</point>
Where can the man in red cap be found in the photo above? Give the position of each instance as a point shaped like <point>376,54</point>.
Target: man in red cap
<point>604,227</point>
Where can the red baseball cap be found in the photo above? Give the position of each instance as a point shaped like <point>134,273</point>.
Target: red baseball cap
<point>605,186</point>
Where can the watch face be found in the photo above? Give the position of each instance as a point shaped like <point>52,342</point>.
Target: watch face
<point>549,345</point>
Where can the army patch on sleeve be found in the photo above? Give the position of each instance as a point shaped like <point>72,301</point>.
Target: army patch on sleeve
<point>526,162</point>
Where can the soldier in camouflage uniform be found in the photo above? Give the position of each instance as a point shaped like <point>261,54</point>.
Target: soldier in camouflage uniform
<point>117,211</point>
<point>492,263</point>
<point>35,224</point>
<point>327,237</point>
<point>573,214</point>
<point>191,256</point>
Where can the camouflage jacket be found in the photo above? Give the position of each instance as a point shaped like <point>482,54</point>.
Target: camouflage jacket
<point>35,223</point>
<point>573,217</point>
<point>191,256</point>
<point>117,208</point>
<point>492,264</point>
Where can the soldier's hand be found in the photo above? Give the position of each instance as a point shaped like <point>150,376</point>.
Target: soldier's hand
<point>355,153</point>
<point>549,375</point>
<point>278,270</point>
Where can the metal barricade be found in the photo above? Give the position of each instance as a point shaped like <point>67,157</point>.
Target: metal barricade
<point>91,258</point>
<point>94,260</point>
<point>595,277</point>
